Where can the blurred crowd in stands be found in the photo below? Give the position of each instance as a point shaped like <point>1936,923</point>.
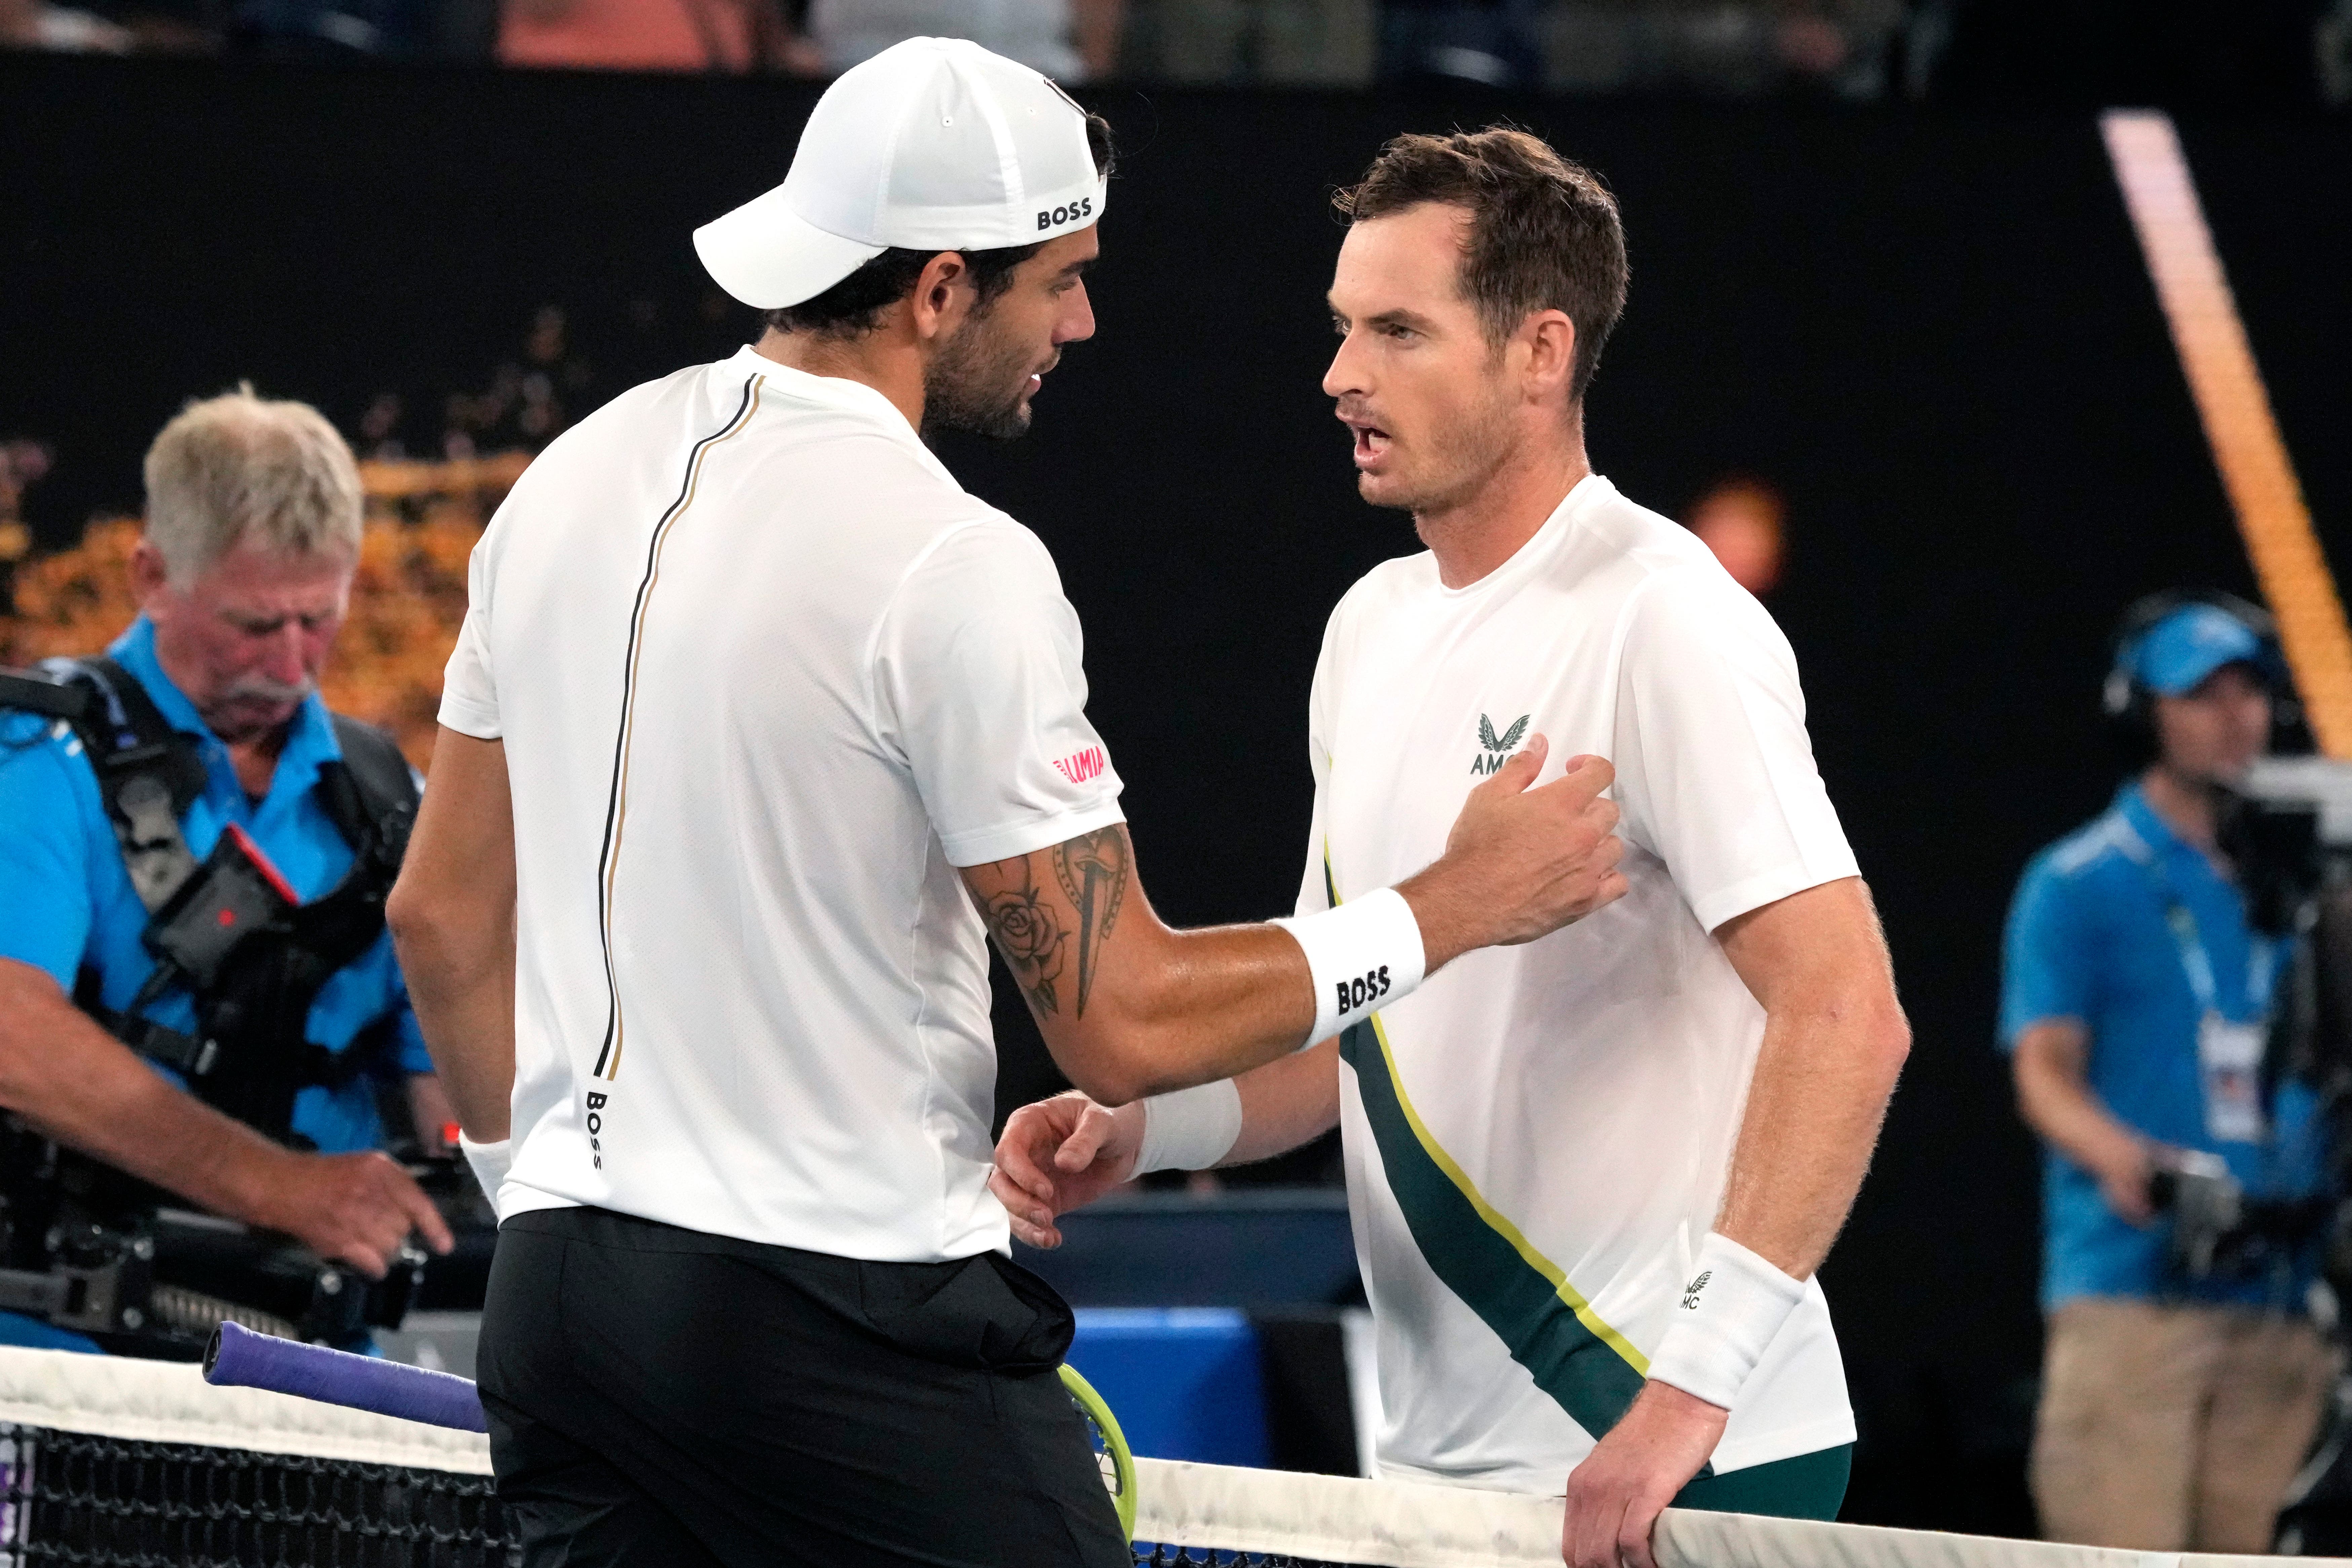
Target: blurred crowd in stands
<point>2242,53</point>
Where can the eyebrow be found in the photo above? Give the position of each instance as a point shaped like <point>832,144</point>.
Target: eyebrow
<point>261,626</point>
<point>1413,318</point>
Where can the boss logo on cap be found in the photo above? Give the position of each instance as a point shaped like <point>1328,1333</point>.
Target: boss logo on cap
<point>1083,207</point>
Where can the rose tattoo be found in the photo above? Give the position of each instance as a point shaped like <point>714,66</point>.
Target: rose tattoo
<point>1031,940</point>
<point>1037,929</point>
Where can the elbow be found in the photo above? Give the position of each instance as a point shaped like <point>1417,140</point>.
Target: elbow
<point>1111,1074</point>
<point>2035,1094</point>
<point>1868,1037</point>
<point>416,919</point>
<point>34,1014</point>
<point>17,1090</point>
<point>1125,1057</point>
<point>404,913</point>
<point>1889,1042</point>
<point>1892,1036</point>
<point>1120,1050</point>
<point>1108,1088</point>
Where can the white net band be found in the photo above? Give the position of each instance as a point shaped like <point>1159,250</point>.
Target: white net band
<point>1200,1509</point>
<point>161,1402</point>
<point>1398,1524</point>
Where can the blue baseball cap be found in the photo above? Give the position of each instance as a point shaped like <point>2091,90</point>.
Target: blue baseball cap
<point>2172,657</point>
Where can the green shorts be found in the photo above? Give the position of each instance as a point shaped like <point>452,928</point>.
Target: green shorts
<point>1802,1486</point>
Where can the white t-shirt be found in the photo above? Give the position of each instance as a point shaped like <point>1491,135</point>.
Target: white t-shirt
<point>1537,1138</point>
<point>766,677</point>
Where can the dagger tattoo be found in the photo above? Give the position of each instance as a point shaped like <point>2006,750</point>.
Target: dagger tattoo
<point>1093,871</point>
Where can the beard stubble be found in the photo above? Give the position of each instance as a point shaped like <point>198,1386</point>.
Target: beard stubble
<point>1469,452</point>
<point>977,383</point>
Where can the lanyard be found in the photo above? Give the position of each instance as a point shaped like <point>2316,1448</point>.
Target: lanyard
<point>2262,959</point>
<point>2196,962</point>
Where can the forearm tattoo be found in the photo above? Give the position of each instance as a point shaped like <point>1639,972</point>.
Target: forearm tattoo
<point>1044,940</point>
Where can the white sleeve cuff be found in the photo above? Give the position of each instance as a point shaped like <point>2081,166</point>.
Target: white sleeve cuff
<point>1189,1129</point>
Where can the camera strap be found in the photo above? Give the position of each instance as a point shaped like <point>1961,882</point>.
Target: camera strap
<point>230,929</point>
<point>148,773</point>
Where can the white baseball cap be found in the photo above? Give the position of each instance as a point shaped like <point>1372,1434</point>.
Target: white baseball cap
<point>933,144</point>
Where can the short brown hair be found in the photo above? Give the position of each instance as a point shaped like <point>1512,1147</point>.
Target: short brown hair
<point>1544,232</point>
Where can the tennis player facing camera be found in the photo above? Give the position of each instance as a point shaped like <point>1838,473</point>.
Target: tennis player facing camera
<point>1590,1176</point>
<point>757,725</point>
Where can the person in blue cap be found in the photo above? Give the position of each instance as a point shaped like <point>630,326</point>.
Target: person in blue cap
<point>2136,1001</point>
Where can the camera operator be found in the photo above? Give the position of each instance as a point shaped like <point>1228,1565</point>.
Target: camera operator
<point>2181,1389</point>
<point>197,993</point>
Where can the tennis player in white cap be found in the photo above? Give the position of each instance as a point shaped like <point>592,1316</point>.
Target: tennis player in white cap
<point>757,724</point>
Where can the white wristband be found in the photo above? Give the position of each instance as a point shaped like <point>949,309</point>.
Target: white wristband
<point>490,1163</point>
<point>1363,956</point>
<point>1731,1310</point>
<point>1189,1129</point>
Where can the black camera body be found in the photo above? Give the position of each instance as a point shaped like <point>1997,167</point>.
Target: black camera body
<point>156,1285</point>
<point>2220,1233</point>
<point>2287,830</point>
<point>86,1248</point>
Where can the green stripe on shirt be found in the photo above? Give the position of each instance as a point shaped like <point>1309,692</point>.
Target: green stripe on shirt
<point>1588,1367</point>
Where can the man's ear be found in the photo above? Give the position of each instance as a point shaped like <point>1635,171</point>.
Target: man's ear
<point>1551,355</point>
<point>942,297</point>
<point>148,575</point>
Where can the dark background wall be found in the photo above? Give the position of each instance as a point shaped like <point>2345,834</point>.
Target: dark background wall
<point>1932,333</point>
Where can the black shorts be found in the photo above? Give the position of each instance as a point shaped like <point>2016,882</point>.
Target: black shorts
<point>662,1396</point>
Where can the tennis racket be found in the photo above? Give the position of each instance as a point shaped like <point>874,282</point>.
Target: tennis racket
<point>1111,1456</point>
<point>237,1357</point>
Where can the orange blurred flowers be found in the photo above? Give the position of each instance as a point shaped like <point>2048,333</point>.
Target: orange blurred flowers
<point>406,601</point>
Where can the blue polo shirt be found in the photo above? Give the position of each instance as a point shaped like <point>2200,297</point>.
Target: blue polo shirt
<point>67,903</point>
<point>2089,939</point>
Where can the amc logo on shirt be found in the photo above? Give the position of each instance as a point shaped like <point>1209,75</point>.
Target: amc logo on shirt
<point>1495,749</point>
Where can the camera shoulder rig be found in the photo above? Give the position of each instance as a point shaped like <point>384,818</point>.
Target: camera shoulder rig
<point>229,929</point>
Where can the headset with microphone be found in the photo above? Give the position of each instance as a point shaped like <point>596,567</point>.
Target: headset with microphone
<point>2128,701</point>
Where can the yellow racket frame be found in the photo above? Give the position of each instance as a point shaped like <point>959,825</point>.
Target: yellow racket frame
<point>1123,1497</point>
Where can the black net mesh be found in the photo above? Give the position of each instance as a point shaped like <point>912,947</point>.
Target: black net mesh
<point>112,1503</point>
<point>76,1499</point>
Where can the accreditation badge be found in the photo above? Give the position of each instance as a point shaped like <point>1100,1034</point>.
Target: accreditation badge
<point>2230,1059</point>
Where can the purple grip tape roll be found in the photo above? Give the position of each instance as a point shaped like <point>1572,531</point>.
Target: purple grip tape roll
<point>237,1357</point>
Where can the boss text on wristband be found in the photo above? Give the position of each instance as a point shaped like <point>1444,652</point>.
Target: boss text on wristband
<point>1363,956</point>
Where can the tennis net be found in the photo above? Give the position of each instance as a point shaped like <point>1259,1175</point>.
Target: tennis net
<point>123,1463</point>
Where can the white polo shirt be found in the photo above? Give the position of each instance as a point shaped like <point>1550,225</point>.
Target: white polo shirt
<point>1537,1138</point>
<point>766,676</point>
